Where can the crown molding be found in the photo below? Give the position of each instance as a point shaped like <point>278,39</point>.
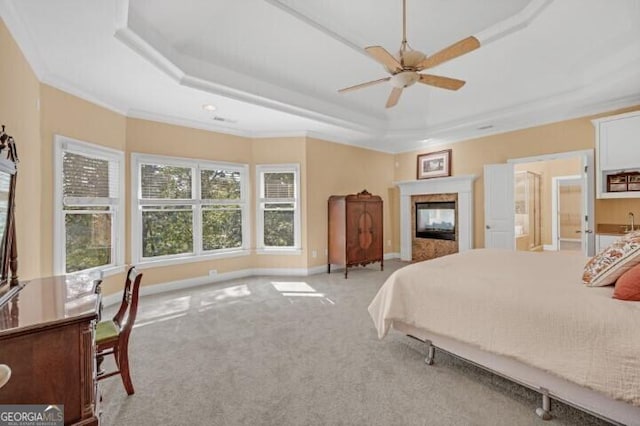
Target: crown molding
<point>177,66</point>
<point>513,24</point>
<point>355,45</point>
<point>495,32</point>
<point>68,87</point>
<point>534,121</point>
<point>185,122</point>
<point>229,92</point>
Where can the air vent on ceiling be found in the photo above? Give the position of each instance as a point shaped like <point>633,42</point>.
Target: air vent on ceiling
<point>486,127</point>
<point>224,120</point>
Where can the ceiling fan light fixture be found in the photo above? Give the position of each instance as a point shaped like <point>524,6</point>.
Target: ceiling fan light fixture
<point>404,79</point>
<point>405,66</point>
<point>208,107</point>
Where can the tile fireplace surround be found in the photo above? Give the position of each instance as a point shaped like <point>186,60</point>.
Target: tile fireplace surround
<point>461,185</point>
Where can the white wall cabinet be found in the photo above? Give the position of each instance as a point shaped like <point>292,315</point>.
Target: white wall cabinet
<point>617,150</point>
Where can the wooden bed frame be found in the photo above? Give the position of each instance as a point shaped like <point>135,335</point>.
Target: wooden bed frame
<point>549,385</point>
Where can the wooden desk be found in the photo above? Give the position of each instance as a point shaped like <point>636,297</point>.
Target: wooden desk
<point>47,339</point>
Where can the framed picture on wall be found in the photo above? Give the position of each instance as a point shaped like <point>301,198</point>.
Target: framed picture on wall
<point>434,164</point>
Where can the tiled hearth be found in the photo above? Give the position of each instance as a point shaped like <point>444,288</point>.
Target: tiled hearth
<point>460,187</point>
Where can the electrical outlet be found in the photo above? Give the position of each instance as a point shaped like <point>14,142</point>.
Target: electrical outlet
<point>326,252</point>
<point>314,253</point>
<point>388,243</point>
<point>213,272</point>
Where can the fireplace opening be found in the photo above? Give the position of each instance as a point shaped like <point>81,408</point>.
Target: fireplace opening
<point>436,220</point>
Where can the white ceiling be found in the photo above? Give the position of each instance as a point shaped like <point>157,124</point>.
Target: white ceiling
<point>273,67</point>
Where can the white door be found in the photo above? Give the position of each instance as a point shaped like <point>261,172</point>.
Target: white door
<point>499,216</point>
<point>588,236</point>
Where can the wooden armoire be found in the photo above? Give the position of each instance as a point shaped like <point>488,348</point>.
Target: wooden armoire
<point>355,230</point>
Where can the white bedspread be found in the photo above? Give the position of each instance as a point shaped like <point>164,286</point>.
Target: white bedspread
<point>529,306</point>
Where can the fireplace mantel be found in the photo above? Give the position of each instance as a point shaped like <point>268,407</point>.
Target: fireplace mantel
<point>462,185</point>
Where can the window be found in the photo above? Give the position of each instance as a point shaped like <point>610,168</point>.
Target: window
<point>278,218</point>
<point>187,208</point>
<point>88,212</point>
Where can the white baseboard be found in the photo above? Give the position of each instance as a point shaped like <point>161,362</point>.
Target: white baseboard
<point>113,299</point>
<point>317,270</point>
<point>388,256</point>
<point>549,247</point>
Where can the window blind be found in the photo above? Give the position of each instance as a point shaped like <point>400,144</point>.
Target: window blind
<point>159,181</point>
<point>279,185</point>
<point>88,180</point>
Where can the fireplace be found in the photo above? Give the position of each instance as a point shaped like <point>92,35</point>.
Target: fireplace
<point>454,188</point>
<point>436,220</point>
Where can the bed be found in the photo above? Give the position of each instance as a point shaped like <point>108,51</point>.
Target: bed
<point>528,317</point>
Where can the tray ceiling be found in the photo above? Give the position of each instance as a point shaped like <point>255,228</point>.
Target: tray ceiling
<point>273,67</point>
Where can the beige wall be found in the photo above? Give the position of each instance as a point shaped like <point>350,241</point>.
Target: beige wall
<point>150,137</point>
<point>326,168</point>
<point>67,115</point>
<point>469,157</point>
<point>616,211</point>
<point>282,151</point>
<point>335,169</point>
<point>19,92</point>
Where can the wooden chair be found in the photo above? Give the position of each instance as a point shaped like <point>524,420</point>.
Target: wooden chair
<point>112,336</point>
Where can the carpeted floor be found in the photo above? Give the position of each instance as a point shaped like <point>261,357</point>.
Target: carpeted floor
<point>300,351</point>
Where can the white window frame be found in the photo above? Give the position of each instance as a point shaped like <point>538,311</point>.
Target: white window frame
<point>261,169</point>
<point>64,144</point>
<point>198,253</point>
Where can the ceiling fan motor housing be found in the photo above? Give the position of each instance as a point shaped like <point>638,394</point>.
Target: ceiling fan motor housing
<point>411,58</point>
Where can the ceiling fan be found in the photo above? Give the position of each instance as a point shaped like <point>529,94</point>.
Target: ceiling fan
<point>404,68</point>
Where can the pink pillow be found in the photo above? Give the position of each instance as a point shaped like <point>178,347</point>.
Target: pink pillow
<point>628,285</point>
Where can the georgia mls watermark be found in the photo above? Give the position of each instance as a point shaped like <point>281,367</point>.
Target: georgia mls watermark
<point>31,415</point>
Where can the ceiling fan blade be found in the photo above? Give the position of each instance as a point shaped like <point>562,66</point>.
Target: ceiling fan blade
<point>394,97</point>
<point>442,82</point>
<point>361,85</point>
<point>457,49</point>
<point>381,55</point>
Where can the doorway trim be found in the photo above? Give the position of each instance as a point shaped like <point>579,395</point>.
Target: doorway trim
<point>555,186</point>
<point>588,196</point>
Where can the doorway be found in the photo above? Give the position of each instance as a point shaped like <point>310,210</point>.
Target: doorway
<point>567,211</point>
<point>575,164</point>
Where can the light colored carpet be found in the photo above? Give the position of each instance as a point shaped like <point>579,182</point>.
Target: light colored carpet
<point>300,351</point>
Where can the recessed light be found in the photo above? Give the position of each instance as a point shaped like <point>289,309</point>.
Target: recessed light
<point>208,107</point>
